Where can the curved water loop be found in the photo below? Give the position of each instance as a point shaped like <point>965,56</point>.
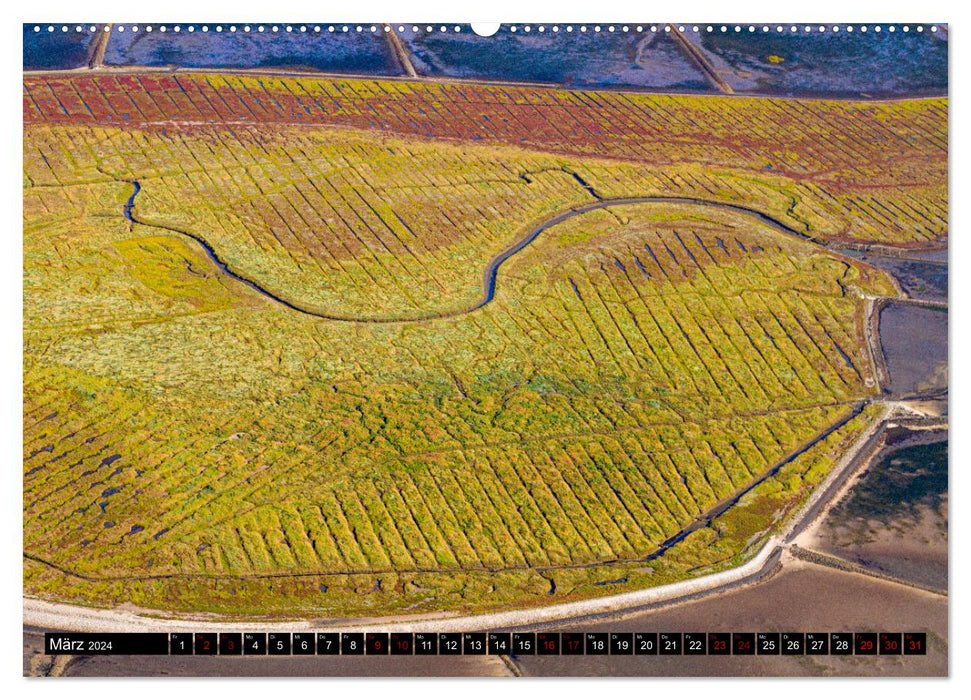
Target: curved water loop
<point>491,271</point>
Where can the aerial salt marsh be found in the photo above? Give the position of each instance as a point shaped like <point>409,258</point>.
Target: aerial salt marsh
<point>194,445</point>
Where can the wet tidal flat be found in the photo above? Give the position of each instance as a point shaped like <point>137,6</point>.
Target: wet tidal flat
<point>646,61</point>
<point>926,280</point>
<point>915,344</point>
<point>832,63</point>
<point>894,520</point>
<point>801,597</point>
<point>352,52</point>
<point>56,50</point>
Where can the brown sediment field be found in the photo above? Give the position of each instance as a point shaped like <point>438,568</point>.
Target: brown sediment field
<point>800,597</point>
<point>865,567</point>
<point>915,552</point>
<point>913,336</point>
<point>912,548</point>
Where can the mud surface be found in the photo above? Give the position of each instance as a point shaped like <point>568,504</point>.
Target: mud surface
<point>650,60</point>
<point>839,64</point>
<point>894,519</point>
<point>57,50</point>
<point>819,64</point>
<point>924,279</point>
<point>338,52</point>
<point>802,598</point>
<point>915,343</point>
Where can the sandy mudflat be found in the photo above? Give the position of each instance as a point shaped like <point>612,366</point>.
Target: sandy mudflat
<point>801,598</point>
<point>915,342</point>
<point>913,551</point>
<point>894,520</point>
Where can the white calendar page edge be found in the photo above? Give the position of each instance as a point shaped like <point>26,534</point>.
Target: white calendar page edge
<point>547,11</point>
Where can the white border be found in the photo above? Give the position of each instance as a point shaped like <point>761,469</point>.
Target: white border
<point>603,11</point>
